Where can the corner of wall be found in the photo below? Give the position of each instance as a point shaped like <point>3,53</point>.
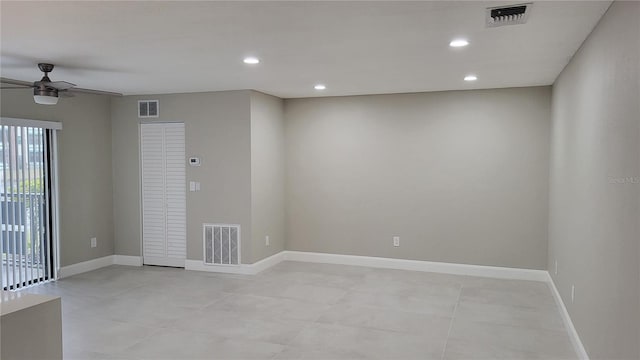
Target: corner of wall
<point>267,175</point>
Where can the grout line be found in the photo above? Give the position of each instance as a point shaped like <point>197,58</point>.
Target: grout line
<point>213,302</point>
<point>446,342</point>
<point>309,323</point>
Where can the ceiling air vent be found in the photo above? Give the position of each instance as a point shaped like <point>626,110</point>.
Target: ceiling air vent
<point>148,108</point>
<point>508,15</point>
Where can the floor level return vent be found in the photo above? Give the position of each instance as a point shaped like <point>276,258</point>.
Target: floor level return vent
<point>221,244</point>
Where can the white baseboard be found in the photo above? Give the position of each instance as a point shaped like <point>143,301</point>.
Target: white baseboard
<point>268,262</point>
<point>354,260</point>
<point>418,265</point>
<point>85,266</point>
<point>376,262</point>
<point>568,324</point>
<point>242,269</point>
<point>127,260</point>
<point>98,263</point>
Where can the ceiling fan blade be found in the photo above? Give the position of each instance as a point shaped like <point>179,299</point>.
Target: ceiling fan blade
<point>96,92</point>
<point>66,93</point>
<point>60,85</point>
<point>15,82</point>
<point>15,87</point>
<point>69,89</point>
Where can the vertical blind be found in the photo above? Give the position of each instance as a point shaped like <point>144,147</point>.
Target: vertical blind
<point>25,206</point>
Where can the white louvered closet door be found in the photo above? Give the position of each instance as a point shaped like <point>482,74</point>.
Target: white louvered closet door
<point>164,233</point>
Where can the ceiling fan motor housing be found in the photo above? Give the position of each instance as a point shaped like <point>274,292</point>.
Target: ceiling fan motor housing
<point>42,90</point>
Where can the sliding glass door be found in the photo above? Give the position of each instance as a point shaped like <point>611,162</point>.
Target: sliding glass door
<point>25,205</point>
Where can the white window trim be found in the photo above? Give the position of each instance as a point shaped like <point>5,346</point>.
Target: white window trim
<point>55,199</point>
<point>54,125</point>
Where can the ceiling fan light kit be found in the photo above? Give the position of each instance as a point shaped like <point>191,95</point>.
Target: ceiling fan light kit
<point>45,99</point>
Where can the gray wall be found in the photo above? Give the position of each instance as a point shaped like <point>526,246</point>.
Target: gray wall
<point>595,186</point>
<point>267,175</point>
<point>84,149</point>
<point>460,176</point>
<point>32,326</point>
<point>218,131</point>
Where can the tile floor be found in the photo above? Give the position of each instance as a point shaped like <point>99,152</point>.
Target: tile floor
<point>305,311</point>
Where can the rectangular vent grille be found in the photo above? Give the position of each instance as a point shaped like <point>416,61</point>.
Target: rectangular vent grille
<point>221,244</point>
<point>148,108</point>
<point>508,15</point>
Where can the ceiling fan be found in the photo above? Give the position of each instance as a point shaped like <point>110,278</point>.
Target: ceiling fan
<point>47,92</point>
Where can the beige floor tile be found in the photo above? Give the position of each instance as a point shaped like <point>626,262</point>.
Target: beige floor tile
<point>369,343</point>
<point>434,305</point>
<point>177,344</point>
<point>431,326</point>
<point>469,339</point>
<point>246,326</point>
<point>509,315</point>
<point>301,310</point>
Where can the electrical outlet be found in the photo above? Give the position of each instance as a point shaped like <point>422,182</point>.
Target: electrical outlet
<point>396,241</point>
<point>573,293</point>
<point>94,242</point>
<point>266,240</point>
<point>556,268</point>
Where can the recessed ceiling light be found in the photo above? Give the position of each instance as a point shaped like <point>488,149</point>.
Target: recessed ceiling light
<point>458,43</point>
<point>320,87</point>
<point>251,60</point>
<point>470,78</point>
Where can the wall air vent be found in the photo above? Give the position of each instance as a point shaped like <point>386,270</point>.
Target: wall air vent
<point>221,244</point>
<point>148,109</point>
<point>508,15</point>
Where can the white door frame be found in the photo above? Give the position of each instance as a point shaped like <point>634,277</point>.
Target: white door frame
<point>175,262</point>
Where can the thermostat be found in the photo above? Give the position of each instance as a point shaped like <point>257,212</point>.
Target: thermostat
<point>194,161</point>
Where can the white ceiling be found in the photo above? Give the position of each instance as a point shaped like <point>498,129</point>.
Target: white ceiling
<point>352,47</point>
